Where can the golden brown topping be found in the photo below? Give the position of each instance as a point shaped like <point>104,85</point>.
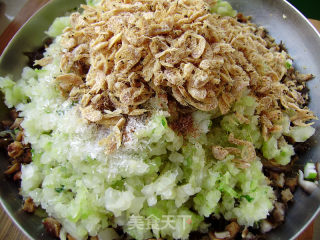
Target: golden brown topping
<point>304,77</point>
<point>248,153</point>
<point>28,205</point>
<point>52,226</point>
<point>301,116</point>
<point>15,149</point>
<point>242,119</point>
<point>219,152</point>
<point>244,152</point>
<point>16,123</point>
<point>200,56</point>
<point>13,169</point>
<point>91,114</point>
<point>109,121</point>
<point>243,156</point>
<point>67,81</point>
<point>129,51</point>
<point>43,61</point>
<point>114,139</point>
<point>19,136</point>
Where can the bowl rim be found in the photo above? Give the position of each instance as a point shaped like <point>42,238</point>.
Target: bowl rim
<point>317,191</point>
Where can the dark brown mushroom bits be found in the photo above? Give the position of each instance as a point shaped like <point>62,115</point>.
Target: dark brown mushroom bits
<point>12,141</point>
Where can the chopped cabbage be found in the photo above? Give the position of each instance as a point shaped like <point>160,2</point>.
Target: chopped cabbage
<point>58,26</point>
<point>301,133</point>
<point>281,153</point>
<point>117,201</point>
<point>93,2</point>
<point>14,92</point>
<point>223,8</point>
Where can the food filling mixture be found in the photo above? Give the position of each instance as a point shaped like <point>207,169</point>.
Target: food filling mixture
<point>158,119</point>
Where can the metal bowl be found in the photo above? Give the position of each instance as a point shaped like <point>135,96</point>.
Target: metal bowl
<point>283,22</point>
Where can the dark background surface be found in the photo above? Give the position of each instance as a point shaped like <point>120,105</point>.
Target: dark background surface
<point>310,8</point>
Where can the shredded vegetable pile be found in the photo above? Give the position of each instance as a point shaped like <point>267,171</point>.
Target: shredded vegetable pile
<point>147,109</point>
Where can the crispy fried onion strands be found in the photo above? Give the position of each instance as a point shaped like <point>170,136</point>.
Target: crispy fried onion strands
<point>244,152</point>
<point>127,51</point>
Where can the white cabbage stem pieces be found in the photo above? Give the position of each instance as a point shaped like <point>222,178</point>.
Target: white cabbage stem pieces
<point>308,179</point>
<point>310,172</point>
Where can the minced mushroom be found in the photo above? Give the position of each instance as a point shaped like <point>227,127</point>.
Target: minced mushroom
<point>29,206</point>
<point>291,182</point>
<point>52,226</point>
<point>17,176</point>
<point>278,212</point>
<point>233,228</point>
<point>277,179</point>
<point>15,149</point>
<point>286,195</point>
